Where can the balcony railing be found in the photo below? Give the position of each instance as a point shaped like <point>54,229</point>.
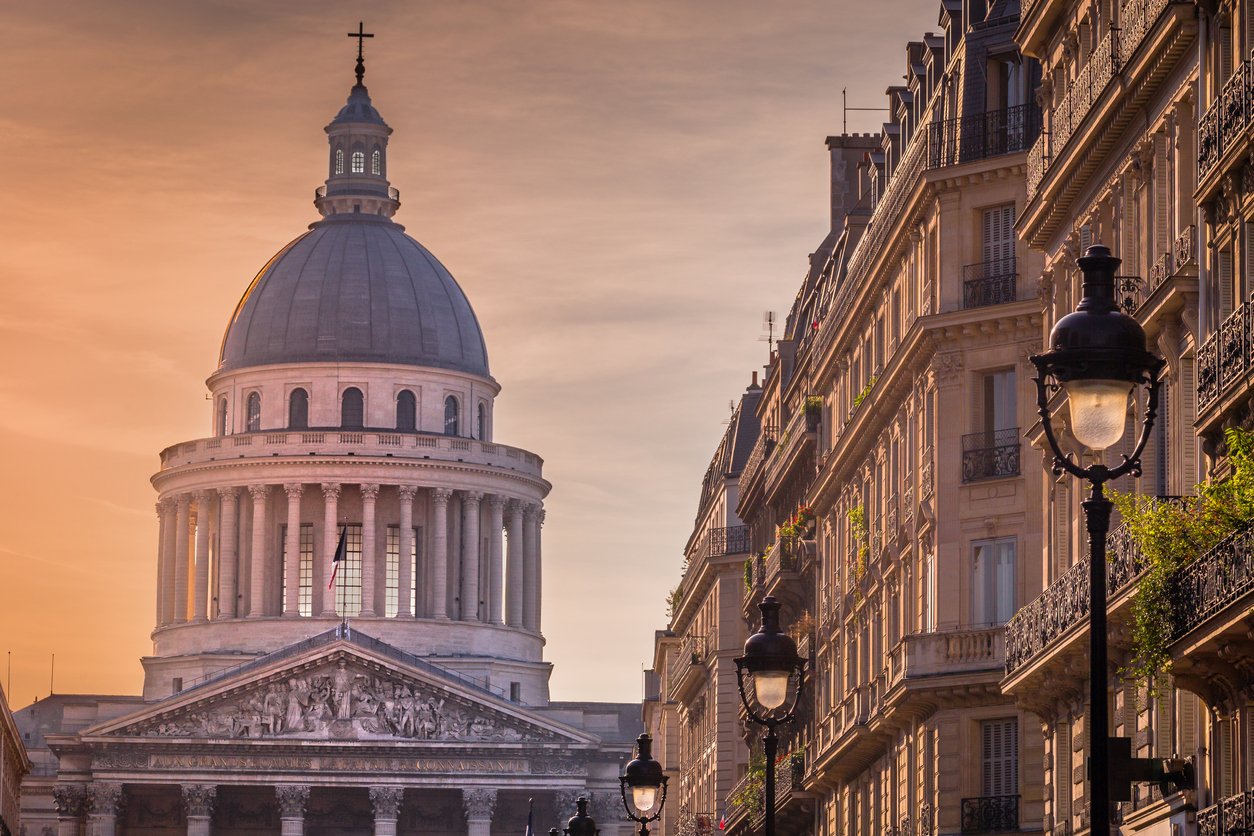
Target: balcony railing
<point>1232,816</point>
<point>1212,582</point>
<point>696,824</point>
<point>734,539</point>
<point>1226,119</point>
<point>989,283</point>
<point>990,814</point>
<point>990,455</point>
<point>757,457</point>
<point>983,135</point>
<point>691,651</point>
<point>1065,603</point>
<point>1225,361</point>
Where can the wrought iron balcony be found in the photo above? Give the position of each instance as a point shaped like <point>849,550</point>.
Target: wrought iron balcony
<point>990,814</point>
<point>989,283</point>
<point>1226,358</point>
<point>1232,816</point>
<point>983,135</point>
<point>1225,121</point>
<point>1065,603</point>
<point>689,656</point>
<point>1213,582</point>
<point>734,539</point>
<point>696,824</point>
<point>990,455</point>
<point>757,458</point>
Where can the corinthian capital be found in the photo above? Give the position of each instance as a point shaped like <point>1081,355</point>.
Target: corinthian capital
<point>70,799</point>
<point>386,801</point>
<point>331,490</point>
<point>479,803</point>
<point>292,799</point>
<point>104,797</point>
<point>198,799</point>
<point>259,492</point>
<point>441,496</point>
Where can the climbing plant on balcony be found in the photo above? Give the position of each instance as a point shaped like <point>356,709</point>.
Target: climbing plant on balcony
<point>862,542</point>
<point>1170,535</point>
<point>752,792</point>
<point>866,391</point>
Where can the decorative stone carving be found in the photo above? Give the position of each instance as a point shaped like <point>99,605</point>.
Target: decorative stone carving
<point>479,803</point>
<point>341,701</point>
<point>70,799</point>
<point>104,797</point>
<point>556,766</point>
<point>564,804</point>
<point>198,799</point>
<point>948,367</point>
<point>292,799</point>
<point>386,801</point>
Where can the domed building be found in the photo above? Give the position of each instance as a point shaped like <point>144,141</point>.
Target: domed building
<point>348,634</point>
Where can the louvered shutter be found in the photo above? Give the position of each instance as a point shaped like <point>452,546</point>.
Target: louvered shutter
<point>999,240</point>
<point>1225,284</point>
<point>1161,212</point>
<point>1247,266</point>
<point>1062,774</point>
<point>1000,751</point>
<point>1188,415</point>
<point>1086,238</point>
<point>1163,738</point>
<point>1223,758</point>
<point>1186,720</point>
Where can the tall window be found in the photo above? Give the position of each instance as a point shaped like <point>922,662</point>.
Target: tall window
<point>305,601</point>
<point>483,422</point>
<point>993,581</point>
<point>359,162</point>
<point>339,160</point>
<point>352,409</point>
<point>222,416</point>
<point>406,411</point>
<point>348,578</point>
<point>393,579</point>
<point>376,162</point>
<point>999,745</point>
<point>253,422</point>
<point>298,410</point>
<point>450,415</point>
<point>998,410</point>
<point>999,235</point>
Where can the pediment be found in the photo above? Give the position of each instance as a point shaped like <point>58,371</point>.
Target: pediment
<point>340,693</point>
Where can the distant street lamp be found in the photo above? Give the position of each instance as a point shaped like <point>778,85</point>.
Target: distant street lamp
<point>580,824</point>
<point>643,786</point>
<point>772,662</point>
<point>1097,354</point>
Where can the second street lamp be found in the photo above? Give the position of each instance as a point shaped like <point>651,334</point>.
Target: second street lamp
<point>1097,354</point>
<point>772,662</point>
<point>643,786</point>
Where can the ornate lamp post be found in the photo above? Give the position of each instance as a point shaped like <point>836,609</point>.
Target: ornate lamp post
<point>1097,354</point>
<point>772,661</point>
<point>644,782</point>
<point>580,824</point>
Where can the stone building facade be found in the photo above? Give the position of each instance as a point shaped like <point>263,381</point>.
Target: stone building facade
<point>348,632</point>
<point>14,766</point>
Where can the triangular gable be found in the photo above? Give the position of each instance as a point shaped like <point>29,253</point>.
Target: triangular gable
<point>339,692</point>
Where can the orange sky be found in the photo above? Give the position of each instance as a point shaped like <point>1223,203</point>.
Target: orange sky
<point>622,188</point>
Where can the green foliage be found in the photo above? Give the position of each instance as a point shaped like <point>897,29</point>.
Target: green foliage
<point>1171,535</point>
<point>866,391</point>
<point>752,794</point>
<point>861,537</point>
<point>749,573</point>
<point>673,598</point>
<point>814,403</point>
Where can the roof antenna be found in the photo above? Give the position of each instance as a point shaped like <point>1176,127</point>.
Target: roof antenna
<point>768,323</point>
<point>361,34</point>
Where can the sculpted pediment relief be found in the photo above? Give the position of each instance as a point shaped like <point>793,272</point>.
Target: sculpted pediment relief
<point>341,698</point>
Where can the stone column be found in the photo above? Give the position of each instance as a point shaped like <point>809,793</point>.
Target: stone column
<point>165,530</point>
<point>514,585</point>
<point>496,558</point>
<point>228,554</point>
<point>470,555</point>
<point>257,582</point>
<point>200,606</point>
<point>104,800</point>
<point>198,801</point>
<point>538,569</point>
<point>439,548</point>
<point>71,803</point>
<point>330,539</point>
<point>479,804</point>
<point>531,568</point>
<point>182,533</point>
<point>291,551</point>
<point>169,540</point>
<point>387,809</point>
<point>292,798</point>
<point>369,559</point>
<point>404,579</point>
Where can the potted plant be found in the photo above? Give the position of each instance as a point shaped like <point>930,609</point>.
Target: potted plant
<point>814,412</point>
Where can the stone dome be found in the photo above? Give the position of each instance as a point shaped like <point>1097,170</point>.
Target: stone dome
<point>355,288</point>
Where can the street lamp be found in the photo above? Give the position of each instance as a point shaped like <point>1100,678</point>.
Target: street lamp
<point>644,782</point>
<point>772,661</point>
<point>580,824</point>
<point>1097,354</point>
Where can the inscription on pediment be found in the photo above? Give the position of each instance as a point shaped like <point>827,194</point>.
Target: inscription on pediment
<point>340,701</point>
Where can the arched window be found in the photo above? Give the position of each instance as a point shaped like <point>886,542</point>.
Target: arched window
<point>339,160</point>
<point>352,409</point>
<point>359,162</point>
<point>253,424</point>
<point>298,410</point>
<point>376,162</point>
<point>406,411</point>
<point>222,416</point>
<point>450,415</point>
<point>483,421</point>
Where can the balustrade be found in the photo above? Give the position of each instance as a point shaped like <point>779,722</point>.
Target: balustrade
<point>1231,816</point>
<point>1225,121</point>
<point>990,455</point>
<point>979,136</point>
<point>1212,582</point>
<point>1224,361</point>
<point>990,814</point>
<point>691,652</point>
<point>989,283</point>
<point>757,457</point>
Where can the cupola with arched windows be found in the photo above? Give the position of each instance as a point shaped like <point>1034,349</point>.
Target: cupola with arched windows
<point>357,174</point>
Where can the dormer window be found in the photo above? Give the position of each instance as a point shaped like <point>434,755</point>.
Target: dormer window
<point>339,160</point>
<point>376,163</point>
<point>359,162</point>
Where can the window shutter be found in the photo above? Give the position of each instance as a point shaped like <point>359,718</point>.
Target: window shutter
<point>1225,283</point>
<point>1188,414</point>
<point>1186,720</point>
<point>1247,257</point>
<point>1000,750</point>
<point>1086,238</point>
<point>1161,211</point>
<point>1163,737</point>
<point>1222,755</point>
<point>1062,773</point>
<point>999,234</point>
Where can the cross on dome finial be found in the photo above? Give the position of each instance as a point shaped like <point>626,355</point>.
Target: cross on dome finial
<point>361,34</point>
